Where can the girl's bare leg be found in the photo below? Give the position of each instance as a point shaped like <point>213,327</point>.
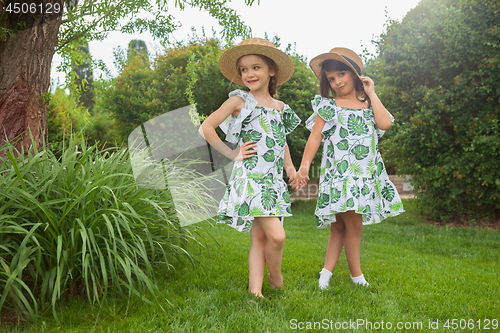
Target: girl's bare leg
<point>256,260</point>
<point>276,236</point>
<point>353,229</point>
<point>335,243</point>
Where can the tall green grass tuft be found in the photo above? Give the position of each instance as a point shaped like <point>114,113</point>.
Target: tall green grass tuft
<point>74,223</point>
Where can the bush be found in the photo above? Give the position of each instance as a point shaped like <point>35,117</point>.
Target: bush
<point>77,225</point>
<point>64,116</point>
<point>298,93</point>
<point>440,69</point>
<point>132,97</point>
<point>100,129</point>
<point>189,74</point>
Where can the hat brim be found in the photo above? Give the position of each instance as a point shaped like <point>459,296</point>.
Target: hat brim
<point>230,57</point>
<point>317,61</point>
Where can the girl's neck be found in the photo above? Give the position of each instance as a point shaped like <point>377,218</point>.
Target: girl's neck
<point>262,95</point>
<point>265,99</point>
<point>350,101</point>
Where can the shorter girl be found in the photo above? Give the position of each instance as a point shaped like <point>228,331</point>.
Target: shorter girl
<point>256,198</point>
<point>354,186</point>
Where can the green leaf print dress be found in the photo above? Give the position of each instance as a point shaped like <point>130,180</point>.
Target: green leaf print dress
<point>256,187</point>
<point>353,175</point>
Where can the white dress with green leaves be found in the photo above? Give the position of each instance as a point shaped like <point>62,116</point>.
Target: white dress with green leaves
<point>256,187</point>
<point>353,175</point>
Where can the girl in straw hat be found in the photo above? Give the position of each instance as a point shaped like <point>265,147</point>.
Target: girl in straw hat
<point>354,187</point>
<point>256,197</point>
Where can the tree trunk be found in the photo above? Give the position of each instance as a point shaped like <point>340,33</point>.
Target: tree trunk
<point>25,63</point>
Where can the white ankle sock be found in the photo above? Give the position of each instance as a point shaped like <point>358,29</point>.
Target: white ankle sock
<point>324,278</point>
<point>360,280</point>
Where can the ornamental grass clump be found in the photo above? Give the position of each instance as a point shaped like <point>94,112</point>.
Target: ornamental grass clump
<point>74,223</point>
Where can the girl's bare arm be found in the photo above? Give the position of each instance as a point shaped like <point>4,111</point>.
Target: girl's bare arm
<point>312,146</point>
<point>382,117</point>
<point>207,130</point>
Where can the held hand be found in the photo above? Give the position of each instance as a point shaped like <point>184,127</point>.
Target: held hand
<point>244,151</point>
<point>297,184</point>
<point>299,180</point>
<point>292,179</point>
<point>368,85</point>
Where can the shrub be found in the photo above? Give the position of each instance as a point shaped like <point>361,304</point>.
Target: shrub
<point>77,225</point>
<point>440,69</point>
<point>64,116</point>
<point>132,97</point>
<point>298,93</point>
<point>100,129</point>
<point>189,74</point>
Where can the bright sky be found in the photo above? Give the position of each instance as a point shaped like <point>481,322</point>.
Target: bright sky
<point>315,26</point>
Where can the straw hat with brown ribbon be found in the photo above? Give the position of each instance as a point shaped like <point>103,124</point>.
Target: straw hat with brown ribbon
<point>228,60</point>
<point>342,54</point>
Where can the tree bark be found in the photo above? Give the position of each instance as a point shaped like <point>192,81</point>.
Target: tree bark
<point>25,63</point>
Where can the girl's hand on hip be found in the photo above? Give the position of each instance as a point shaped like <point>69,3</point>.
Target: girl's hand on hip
<point>244,151</point>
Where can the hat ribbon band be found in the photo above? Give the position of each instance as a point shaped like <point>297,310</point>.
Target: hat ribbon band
<point>356,67</point>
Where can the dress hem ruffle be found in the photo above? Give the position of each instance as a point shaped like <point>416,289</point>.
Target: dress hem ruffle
<point>323,221</point>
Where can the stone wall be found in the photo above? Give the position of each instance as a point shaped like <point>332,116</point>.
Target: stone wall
<point>403,185</point>
<point>311,191</point>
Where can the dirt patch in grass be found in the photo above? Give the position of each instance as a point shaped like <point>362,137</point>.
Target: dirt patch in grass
<point>10,319</point>
<point>489,224</point>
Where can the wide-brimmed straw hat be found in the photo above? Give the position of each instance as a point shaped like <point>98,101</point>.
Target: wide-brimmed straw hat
<point>342,54</point>
<point>229,59</point>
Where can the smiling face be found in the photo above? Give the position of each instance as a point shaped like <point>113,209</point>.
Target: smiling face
<point>342,82</point>
<point>338,79</point>
<point>255,72</point>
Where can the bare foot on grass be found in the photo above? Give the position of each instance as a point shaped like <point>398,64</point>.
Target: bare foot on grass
<point>274,284</point>
<point>256,294</point>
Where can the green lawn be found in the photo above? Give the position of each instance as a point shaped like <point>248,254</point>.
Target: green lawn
<point>420,274</point>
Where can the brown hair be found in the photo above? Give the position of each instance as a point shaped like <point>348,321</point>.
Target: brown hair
<point>273,80</point>
<point>326,90</point>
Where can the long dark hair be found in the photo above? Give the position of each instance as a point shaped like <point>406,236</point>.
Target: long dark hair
<point>326,90</point>
<point>273,80</point>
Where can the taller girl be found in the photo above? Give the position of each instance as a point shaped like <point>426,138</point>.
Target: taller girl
<point>354,187</point>
<point>256,198</point>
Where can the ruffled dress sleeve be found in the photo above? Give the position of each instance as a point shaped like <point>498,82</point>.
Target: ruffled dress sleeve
<point>290,119</point>
<point>232,125</point>
<point>327,109</point>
